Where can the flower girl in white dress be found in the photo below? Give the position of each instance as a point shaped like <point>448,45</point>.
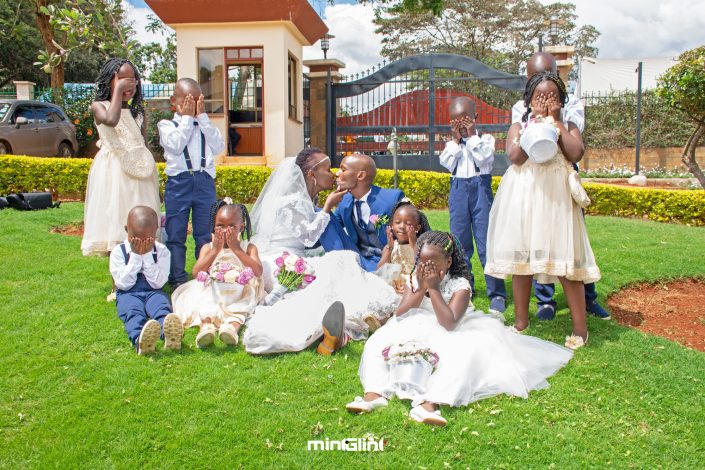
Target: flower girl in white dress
<point>437,349</point>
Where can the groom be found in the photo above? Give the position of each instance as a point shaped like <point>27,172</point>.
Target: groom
<point>363,201</point>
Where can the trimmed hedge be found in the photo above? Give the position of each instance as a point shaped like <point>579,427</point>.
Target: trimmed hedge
<point>426,189</point>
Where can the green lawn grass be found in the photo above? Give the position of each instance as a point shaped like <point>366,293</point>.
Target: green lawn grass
<point>73,392</point>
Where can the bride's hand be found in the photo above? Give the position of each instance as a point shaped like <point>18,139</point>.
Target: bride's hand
<point>333,199</point>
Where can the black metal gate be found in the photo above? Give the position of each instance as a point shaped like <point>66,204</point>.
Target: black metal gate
<point>412,96</point>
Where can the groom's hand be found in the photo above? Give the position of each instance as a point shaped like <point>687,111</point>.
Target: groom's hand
<point>333,200</point>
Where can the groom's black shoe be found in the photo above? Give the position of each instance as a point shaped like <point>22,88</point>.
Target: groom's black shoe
<point>333,329</point>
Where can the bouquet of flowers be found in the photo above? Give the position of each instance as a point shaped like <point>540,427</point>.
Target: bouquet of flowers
<point>292,273</point>
<point>226,273</point>
<point>410,366</point>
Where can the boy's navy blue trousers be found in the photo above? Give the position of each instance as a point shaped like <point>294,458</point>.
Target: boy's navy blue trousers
<point>187,194</point>
<point>140,303</point>
<point>469,205</point>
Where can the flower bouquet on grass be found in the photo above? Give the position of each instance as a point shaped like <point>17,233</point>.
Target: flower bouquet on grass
<point>292,273</point>
<point>410,366</point>
<point>227,281</point>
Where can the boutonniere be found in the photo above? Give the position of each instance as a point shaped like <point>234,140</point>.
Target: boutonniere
<point>379,220</point>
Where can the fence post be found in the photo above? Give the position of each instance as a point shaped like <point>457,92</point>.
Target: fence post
<point>638,116</point>
<point>25,90</point>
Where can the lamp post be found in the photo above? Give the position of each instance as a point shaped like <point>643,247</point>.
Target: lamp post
<point>553,29</point>
<point>325,44</point>
<point>330,106</point>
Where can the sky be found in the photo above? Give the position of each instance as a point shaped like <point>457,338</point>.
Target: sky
<point>630,28</point>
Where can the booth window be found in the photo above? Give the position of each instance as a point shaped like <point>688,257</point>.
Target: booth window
<point>293,87</point>
<point>210,76</point>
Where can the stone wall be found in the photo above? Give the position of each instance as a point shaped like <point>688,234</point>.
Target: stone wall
<point>668,157</point>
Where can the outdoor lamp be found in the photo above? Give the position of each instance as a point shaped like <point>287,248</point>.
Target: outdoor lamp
<point>325,44</point>
<point>553,29</point>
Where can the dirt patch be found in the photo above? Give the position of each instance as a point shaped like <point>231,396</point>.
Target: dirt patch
<point>675,310</point>
<point>72,230</point>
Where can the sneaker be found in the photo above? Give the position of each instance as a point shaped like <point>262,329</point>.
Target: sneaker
<point>359,405</point>
<point>373,323</point>
<point>206,335</point>
<point>173,332</point>
<point>149,336</point>
<point>422,415</point>
<point>546,312</point>
<point>228,334</point>
<point>597,310</point>
<point>112,297</point>
<point>498,305</point>
<point>333,329</point>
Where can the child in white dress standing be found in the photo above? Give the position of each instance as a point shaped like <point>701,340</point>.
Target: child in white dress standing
<point>123,173</point>
<point>222,303</point>
<point>532,194</point>
<point>464,355</point>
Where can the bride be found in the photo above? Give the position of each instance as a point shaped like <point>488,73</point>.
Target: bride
<point>285,218</point>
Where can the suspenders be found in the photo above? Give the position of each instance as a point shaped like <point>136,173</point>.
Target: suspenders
<point>188,157</point>
<point>477,168</point>
<point>127,257</point>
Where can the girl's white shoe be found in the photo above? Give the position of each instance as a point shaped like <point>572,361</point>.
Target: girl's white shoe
<point>206,335</point>
<point>359,405</point>
<point>228,334</point>
<point>422,415</point>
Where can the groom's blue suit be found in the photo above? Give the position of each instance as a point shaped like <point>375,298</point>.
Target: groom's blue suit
<point>371,241</point>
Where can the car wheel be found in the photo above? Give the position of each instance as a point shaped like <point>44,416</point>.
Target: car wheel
<point>5,148</point>
<point>65,150</point>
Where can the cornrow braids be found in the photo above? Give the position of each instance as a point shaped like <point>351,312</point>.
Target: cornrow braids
<point>450,246</point>
<point>534,82</point>
<point>246,220</point>
<point>215,207</point>
<point>424,225</point>
<point>105,80</point>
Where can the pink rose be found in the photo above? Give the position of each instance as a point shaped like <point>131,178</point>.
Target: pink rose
<point>308,279</point>
<point>220,277</point>
<point>279,261</point>
<point>374,218</point>
<point>224,267</point>
<point>300,266</point>
<point>202,276</point>
<point>385,352</point>
<point>245,276</point>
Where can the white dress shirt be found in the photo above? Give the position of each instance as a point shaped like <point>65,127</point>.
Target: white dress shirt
<point>364,208</point>
<point>174,139</point>
<point>573,111</point>
<point>472,151</point>
<point>125,275</point>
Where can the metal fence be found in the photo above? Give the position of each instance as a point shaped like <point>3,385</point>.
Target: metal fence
<point>77,91</point>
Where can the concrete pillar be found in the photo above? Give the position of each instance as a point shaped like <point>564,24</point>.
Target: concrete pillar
<point>318,75</point>
<point>25,90</point>
<point>564,59</point>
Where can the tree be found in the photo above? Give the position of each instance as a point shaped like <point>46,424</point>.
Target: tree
<point>683,88</point>
<point>502,33</point>
<point>157,62</point>
<point>20,42</point>
<point>68,25</point>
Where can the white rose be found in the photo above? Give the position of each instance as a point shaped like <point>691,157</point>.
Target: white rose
<point>290,262</point>
<point>231,276</point>
<point>309,270</point>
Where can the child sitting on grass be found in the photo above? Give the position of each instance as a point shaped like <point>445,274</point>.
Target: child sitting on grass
<point>140,268</point>
<point>228,284</point>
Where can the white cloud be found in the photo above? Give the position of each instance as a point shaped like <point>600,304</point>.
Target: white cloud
<point>138,17</point>
<point>355,42</point>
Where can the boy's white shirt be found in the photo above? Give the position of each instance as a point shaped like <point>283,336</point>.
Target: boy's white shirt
<point>174,139</point>
<point>125,275</point>
<point>573,111</point>
<point>474,150</point>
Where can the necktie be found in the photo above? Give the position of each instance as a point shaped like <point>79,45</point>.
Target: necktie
<point>358,213</point>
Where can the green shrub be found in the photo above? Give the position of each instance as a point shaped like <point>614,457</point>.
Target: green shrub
<point>428,190</point>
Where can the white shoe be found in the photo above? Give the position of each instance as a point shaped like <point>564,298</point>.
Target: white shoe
<point>205,336</point>
<point>359,405</point>
<point>228,334</point>
<point>112,297</point>
<point>149,336</point>
<point>173,332</point>
<point>422,415</point>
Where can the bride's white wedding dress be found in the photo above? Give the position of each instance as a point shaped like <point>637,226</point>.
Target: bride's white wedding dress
<point>284,219</point>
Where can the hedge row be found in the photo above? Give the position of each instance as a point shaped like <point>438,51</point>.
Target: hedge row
<point>426,189</point>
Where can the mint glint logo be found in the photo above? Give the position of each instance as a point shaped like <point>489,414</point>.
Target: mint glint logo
<point>349,444</point>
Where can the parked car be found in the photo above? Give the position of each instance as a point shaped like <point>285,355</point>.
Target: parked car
<point>36,128</point>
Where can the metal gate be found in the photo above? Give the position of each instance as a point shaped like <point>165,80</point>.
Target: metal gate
<point>412,95</point>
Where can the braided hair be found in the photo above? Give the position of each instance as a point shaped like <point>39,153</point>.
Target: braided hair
<point>244,214</point>
<point>424,226</point>
<point>534,81</point>
<point>105,80</point>
<point>450,246</point>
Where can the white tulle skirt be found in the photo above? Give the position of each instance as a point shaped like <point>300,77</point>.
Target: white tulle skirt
<point>110,194</point>
<point>294,323</point>
<point>480,358</point>
<point>536,228</point>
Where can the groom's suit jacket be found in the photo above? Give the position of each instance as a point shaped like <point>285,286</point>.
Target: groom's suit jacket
<point>381,202</point>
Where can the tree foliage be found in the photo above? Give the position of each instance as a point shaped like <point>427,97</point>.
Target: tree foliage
<point>502,33</point>
<point>683,88</point>
<point>157,62</point>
